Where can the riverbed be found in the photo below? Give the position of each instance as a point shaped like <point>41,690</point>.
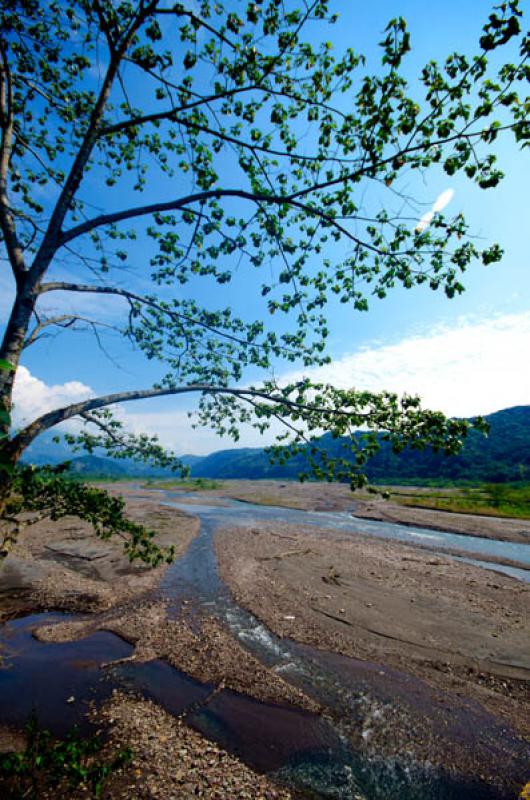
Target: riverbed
<point>381,725</point>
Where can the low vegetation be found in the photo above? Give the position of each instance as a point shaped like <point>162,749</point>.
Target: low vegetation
<point>54,768</point>
<point>493,499</point>
<point>189,485</point>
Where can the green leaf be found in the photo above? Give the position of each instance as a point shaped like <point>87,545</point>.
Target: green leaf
<point>5,365</point>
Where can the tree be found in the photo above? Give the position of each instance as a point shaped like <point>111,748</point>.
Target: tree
<point>225,142</point>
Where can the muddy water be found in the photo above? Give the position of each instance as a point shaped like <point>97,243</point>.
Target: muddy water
<point>381,728</point>
<point>57,681</point>
<point>300,749</point>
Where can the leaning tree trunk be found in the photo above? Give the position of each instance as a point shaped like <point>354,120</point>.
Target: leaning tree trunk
<point>9,526</point>
<point>10,352</point>
<point>12,346</point>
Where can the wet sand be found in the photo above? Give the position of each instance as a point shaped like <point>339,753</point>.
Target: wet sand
<point>195,644</point>
<point>168,760</point>
<point>62,565</point>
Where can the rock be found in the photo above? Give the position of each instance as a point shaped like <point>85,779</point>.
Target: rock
<point>18,574</point>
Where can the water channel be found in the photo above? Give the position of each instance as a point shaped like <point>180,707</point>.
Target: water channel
<point>329,757</point>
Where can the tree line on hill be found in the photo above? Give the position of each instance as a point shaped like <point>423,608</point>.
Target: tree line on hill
<point>502,456</point>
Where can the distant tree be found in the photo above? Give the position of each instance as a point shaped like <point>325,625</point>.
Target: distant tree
<point>229,142</point>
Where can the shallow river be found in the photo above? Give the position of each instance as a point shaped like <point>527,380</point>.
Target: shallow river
<point>328,758</point>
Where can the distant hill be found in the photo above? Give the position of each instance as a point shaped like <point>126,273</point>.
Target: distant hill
<point>504,455</point>
<point>96,465</point>
<point>45,451</point>
<point>501,457</point>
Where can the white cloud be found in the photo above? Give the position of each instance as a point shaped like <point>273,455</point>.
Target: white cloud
<point>174,429</point>
<point>439,204</point>
<point>472,367</point>
<point>32,397</point>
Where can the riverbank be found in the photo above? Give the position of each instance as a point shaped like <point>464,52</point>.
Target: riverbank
<point>63,565</point>
<point>192,642</point>
<point>407,619</point>
<point>166,759</point>
<point>170,760</point>
<point>461,628</point>
<point>487,527</point>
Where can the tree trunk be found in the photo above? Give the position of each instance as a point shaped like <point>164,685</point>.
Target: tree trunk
<point>12,345</point>
<point>8,531</point>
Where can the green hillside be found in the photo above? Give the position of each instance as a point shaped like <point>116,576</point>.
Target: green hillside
<point>502,456</point>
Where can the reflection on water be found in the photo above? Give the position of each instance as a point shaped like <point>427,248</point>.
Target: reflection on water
<point>298,748</point>
<point>56,680</point>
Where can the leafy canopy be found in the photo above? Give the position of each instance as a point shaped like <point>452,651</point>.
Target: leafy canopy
<point>229,143</point>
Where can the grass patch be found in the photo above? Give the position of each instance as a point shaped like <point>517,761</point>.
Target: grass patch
<point>491,499</point>
<point>280,501</point>
<point>188,484</point>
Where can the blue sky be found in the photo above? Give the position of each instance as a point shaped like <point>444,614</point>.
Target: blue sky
<point>463,356</point>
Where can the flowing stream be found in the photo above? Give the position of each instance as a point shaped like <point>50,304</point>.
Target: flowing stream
<point>332,757</point>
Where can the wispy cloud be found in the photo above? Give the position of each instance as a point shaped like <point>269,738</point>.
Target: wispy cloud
<point>472,367</point>
<point>439,204</point>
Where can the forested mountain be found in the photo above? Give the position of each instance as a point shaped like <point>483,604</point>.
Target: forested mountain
<point>502,456</point>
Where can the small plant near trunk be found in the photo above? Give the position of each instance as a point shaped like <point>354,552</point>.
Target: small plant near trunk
<point>55,768</point>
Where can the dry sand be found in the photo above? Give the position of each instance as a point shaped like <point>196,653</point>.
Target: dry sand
<point>460,627</point>
<point>63,565</point>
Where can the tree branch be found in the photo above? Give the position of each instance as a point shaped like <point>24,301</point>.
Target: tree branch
<point>371,168</point>
<point>62,321</point>
<point>105,428</point>
<point>179,11</point>
<point>55,417</point>
<point>202,197</point>
<point>147,301</point>
<point>51,241</point>
<point>172,115</point>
